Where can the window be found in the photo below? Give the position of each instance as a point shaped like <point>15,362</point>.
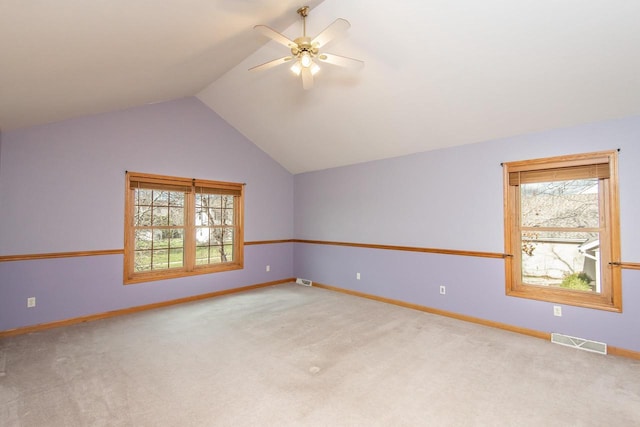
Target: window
<point>177,227</point>
<point>562,230</point>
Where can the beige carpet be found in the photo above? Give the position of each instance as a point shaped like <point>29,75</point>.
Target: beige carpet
<point>297,356</point>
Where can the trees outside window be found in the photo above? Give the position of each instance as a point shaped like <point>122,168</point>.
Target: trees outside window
<point>178,226</point>
<point>562,230</point>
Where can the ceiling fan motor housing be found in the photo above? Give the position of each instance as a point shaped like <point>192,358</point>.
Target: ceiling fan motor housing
<point>303,44</point>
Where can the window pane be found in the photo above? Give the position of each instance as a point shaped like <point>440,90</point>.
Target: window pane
<point>160,198</point>
<point>142,216</point>
<point>227,245</point>
<point>143,239</point>
<point>570,204</point>
<point>216,216</point>
<point>161,239</point>
<point>569,260</point>
<point>176,216</point>
<point>176,257</point>
<point>160,216</point>
<point>202,236</point>
<point>176,198</point>
<point>143,197</point>
<point>215,236</point>
<point>216,255</point>
<point>160,259</point>
<point>227,252</point>
<point>176,238</point>
<point>227,216</point>
<point>142,260</point>
<point>202,255</point>
<point>198,200</point>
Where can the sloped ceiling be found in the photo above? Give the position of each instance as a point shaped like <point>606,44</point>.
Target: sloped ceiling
<point>437,73</point>
<point>67,58</point>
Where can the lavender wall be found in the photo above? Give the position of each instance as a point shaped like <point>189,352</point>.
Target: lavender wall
<point>72,287</point>
<point>452,199</point>
<point>62,189</point>
<point>62,185</point>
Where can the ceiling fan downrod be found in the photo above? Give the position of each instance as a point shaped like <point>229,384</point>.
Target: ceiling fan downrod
<point>304,11</point>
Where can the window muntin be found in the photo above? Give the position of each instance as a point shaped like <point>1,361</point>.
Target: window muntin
<point>561,230</point>
<point>177,227</point>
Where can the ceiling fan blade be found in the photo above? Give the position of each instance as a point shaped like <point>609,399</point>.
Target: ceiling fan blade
<point>271,64</point>
<point>307,78</point>
<point>335,29</point>
<point>274,35</point>
<point>341,61</point>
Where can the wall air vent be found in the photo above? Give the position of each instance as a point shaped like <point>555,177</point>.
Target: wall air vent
<point>3,361</point>
<point>579,343</point>
<point>304,282</point>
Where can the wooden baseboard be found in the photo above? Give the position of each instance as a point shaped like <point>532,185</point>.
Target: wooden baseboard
<point>623,352</point>
<point>615,351</point>
<point>123,311</point>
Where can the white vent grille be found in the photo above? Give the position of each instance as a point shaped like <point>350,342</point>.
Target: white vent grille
<point>304,282</point>
<point>3,361</point>
<point>579,343</point>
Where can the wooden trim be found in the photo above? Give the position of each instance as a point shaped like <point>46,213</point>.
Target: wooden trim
<point>29,257</point>
<point>178,273</point>
<point>407,248</point>
<point>614,351</point>
<point>439,312</point>
<point>561,161</point>
<point>268,242</point>
<point>630,265</point>
<point>120,312</point>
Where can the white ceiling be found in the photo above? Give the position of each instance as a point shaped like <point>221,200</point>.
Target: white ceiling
<point>68,58</point>
<point>437,73</point>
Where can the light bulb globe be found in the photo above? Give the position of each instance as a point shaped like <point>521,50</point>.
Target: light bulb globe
<point>305,59</point>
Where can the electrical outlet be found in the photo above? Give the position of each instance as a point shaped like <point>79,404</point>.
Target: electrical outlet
<point>268,268</point>
<point>357,276</point>
<point>557,311</point>
<point>443,290</point>
<point>31,302</point>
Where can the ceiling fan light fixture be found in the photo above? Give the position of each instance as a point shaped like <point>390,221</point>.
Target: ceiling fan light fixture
<point>305,59</point>
<point>314,68</point>
<point>297,68</point>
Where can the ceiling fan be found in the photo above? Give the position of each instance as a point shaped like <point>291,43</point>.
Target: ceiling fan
<point>305,50</point>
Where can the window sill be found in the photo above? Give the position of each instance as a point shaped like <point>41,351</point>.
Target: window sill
<point>597,302</point>
<point>175,274</point>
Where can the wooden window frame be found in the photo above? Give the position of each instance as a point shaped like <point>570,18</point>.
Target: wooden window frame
<point>610,297</point>
<point>190,187</point>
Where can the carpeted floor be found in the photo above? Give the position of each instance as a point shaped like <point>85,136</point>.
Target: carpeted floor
<point>295,356</point>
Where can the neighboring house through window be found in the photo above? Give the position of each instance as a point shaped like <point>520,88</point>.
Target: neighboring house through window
<point>178,227</point>
<point>562,230</point>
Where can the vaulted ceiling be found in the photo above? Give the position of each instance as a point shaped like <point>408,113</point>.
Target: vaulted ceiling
<point>437,73</point>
